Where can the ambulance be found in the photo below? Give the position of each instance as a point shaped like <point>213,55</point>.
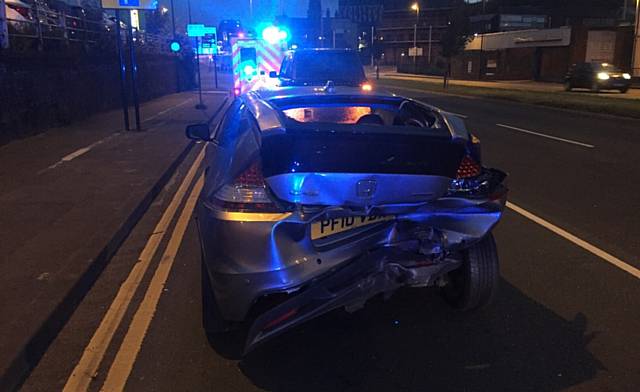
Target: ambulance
<point>253,59</point>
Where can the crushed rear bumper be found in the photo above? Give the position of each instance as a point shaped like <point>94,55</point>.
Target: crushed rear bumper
<point>379,272</point>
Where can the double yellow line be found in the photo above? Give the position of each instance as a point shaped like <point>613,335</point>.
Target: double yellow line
<point>86,369</point>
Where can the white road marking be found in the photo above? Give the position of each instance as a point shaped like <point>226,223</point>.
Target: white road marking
<point>127,353</point>
<point>167,110</point>
<point>547,136</point>
<point>88,148</point>
<point>93,354</point>
<point>78,152</point>
<point>216,92</point>
<point>611,259</point>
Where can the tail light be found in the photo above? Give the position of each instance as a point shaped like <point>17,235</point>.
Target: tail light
<point>247,192</point>
<point>468,168</point>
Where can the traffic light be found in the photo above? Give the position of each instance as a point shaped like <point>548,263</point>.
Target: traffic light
<point>174,46</point>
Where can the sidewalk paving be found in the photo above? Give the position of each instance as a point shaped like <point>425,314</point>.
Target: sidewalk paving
<point>68,196</point>
<point>522,85</point>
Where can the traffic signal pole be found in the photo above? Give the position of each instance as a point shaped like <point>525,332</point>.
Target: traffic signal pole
<point>123,73</point>
<point>134,77</point>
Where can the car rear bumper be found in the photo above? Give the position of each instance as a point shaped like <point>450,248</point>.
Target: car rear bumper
<point>251,257</point>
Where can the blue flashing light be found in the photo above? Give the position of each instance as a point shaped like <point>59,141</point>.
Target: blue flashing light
<point>273,35</point>
<point>175,46</point>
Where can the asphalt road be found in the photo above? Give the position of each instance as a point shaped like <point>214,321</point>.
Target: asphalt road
<point>566,318</point>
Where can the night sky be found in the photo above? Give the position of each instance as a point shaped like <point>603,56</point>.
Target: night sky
<point>210,12</point>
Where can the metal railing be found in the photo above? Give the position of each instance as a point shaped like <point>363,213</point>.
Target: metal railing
<point>40,26</point>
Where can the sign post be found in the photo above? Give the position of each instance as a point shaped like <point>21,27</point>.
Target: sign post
<point>134,77</point>
<point>131,5</point>
<point>123,73</point>
<point>197,31</point>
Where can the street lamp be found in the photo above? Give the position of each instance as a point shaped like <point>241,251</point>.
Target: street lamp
<point>415,7</point>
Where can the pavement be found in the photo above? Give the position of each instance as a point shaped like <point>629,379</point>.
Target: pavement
<point>69,197</point>
<point>518,85</point>
<point>565,319</point>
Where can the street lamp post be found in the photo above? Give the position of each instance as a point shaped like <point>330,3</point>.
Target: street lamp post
<point>416,8</point>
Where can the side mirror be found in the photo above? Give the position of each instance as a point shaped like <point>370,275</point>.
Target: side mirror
<point>198,132</point>
<point>273,74</point>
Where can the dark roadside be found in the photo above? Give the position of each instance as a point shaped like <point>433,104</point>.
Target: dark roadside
<point>69,197</point>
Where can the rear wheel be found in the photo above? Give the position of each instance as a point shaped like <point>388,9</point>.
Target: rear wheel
<point>475,283</point>
<point>624,90</point>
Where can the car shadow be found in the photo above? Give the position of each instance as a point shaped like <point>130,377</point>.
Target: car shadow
<point>414,342</point>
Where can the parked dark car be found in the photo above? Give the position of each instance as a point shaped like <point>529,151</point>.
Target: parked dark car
<point>314,67</point>
<point>320,198</point>
<point>596,77</point>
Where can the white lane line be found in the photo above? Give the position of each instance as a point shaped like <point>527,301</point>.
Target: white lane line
<point>93,354</point>
<point>127,353</point>
<point>88,148</point>
<point>167,110</point>
<point>546,136</point>
<point>78,152</point>
<point>216,92</point>
<point>611,259</point>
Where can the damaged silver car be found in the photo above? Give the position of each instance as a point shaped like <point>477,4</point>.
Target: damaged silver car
<point>319,198</point>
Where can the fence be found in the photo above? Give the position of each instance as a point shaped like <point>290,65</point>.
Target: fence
<point>37,26</point>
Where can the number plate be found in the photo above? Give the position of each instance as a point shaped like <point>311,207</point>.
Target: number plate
<point>325,228</point>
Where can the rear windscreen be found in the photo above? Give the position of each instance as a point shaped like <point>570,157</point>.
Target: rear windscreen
<point>319,66</point>
<point>358,111</point>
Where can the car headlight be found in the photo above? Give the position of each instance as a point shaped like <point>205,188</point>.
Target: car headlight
<point>626,76</point>
<point>603,76</point>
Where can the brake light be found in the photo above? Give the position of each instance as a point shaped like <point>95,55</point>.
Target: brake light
<point>247,192</point>
<point>468,168</point>
<point>367,87</point>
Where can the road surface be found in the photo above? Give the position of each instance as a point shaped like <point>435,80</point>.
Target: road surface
<point>567,317</point>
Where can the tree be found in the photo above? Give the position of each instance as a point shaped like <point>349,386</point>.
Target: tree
<point>456,36</point>
<point>158,22</point>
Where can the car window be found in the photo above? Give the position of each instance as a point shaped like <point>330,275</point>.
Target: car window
<point>348,111</point>
<point>321,66</point>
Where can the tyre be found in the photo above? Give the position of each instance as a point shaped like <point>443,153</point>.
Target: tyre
<point>595,87</point>
<point>567,86</point>
<point>475,283</point>
<point>624,90</point>
<point>212,321</point>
